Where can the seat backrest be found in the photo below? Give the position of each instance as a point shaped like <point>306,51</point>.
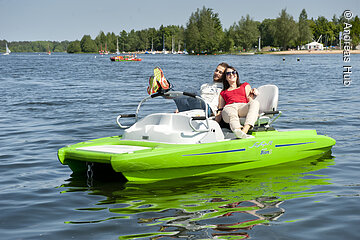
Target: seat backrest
<point>268,98</point>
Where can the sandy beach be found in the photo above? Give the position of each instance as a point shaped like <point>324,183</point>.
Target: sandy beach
<point>294,52</point>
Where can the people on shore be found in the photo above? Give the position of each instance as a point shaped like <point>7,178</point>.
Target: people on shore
<point>237,100</point>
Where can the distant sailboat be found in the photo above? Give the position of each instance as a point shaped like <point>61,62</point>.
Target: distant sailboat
<point>106,51</point>
<point>164,49</point>
<point>185,52</point>
<point>117,46</point>
<point>152,46</point>
<point>103,52</point>
<point>173,46</point>
<point>7,50</point>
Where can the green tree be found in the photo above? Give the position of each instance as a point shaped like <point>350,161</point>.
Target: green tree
<point>324,30</point>
<point>2,45</point>
<point>74,47</point>
<point>143,40</point>
<point>192,33</point>
<point>227,44</point>
<point>204,31</point>
<point>246,33</point>
<point>305,34</point>
<point>268,32</point>
<point>176,37</point>
<point>123,42</point>
<point>133,40</point>
<point>100,40</point>
<point>111,42</point>
<point>286,30</point>
<point>337,29</point>
<point>88,45</point>
<point>331,35</point>
<point>164,34</point>
<point>59,48</point>
<point>153,40</point>
<point>355,32</point>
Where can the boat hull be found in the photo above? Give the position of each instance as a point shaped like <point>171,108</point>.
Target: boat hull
<point>124,59</point>
<point>154,161</point>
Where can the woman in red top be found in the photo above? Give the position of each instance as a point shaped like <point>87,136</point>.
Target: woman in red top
<point>237,100</point>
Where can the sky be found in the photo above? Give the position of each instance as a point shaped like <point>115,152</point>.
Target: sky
<point>58,20</point>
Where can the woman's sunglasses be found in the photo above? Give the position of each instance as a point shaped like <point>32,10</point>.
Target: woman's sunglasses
<point>233,73</point>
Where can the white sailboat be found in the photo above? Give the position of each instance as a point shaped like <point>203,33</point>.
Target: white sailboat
<point>164,49</point>
<point>49,52</point>
<point>117,46</point>
<point>7,50</point>
<point>152,46</point>
<point>173,46</point>
<point>185,52</point>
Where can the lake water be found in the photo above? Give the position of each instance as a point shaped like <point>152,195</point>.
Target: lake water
<point>48,102</point>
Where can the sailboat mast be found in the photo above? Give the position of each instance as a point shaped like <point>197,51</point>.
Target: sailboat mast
<point>7,50</point>
<point>117,46</point>
<point>163,43</point>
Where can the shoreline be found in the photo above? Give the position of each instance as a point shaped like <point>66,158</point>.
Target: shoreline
<point>301,52</point>
<point>289,52</point>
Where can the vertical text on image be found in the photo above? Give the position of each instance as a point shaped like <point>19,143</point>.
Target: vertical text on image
<point>347,46</point>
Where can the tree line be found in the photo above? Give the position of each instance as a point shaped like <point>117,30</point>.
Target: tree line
<point>35,46</point>
<point>204,33</point>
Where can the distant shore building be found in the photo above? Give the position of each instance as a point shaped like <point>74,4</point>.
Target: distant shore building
<point>314,46</point>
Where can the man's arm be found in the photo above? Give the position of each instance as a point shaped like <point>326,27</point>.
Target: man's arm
<point>220,108</point>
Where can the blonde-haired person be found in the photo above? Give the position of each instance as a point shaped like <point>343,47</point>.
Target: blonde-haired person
<point>237,100</point>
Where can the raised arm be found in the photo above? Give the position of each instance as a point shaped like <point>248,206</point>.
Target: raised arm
<point>251,93</point>
<point>248,93</point>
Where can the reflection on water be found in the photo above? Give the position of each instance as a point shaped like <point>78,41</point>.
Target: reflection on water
<point>224,206</point>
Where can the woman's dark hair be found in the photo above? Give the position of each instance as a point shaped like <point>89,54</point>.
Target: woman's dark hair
<point>225,82</point>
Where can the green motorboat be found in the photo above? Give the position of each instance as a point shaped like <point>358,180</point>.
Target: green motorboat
<point>162,146</point>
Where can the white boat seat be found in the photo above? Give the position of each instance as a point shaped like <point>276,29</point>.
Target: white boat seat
<point>174,128</point>
<point>268,98</point>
